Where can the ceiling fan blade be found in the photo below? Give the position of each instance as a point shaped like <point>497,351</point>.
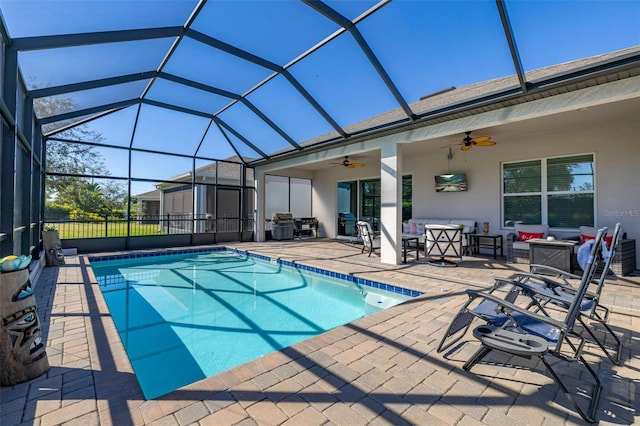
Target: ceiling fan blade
<point>356,164</point>
<point>485,143</point>
<point>466,147</point>
<point>479,139</point>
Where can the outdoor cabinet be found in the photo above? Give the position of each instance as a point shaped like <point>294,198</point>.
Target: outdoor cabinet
<point>22,352</point>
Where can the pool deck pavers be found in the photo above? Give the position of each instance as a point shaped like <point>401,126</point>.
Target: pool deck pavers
<point>382,369</point>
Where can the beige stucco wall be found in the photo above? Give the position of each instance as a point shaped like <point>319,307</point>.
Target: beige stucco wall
<point>615,144</point>
<point>604,121</point>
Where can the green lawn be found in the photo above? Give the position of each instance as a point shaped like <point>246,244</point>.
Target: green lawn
<point>102,229</point>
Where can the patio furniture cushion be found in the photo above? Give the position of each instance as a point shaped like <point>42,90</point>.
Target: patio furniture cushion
<point>416,227</point>
<point>532,229</point>
<point>443,242</point>
<point>526,236</point>
<point>589,233</point>
<point>517,249</point>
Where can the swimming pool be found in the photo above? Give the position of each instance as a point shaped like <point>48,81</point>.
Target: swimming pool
<point>187,316</point>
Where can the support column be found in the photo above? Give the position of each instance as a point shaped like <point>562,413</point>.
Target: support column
<point>391,204</point>
<point>259,234</point>
<point>8,158</point>
<point>26,178</point>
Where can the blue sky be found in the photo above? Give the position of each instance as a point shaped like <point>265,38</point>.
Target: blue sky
<point>424,46</point>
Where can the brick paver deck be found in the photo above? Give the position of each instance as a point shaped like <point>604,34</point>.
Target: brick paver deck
<point>382,369</point>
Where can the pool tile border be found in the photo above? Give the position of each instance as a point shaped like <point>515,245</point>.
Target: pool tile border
<point>313,269</point>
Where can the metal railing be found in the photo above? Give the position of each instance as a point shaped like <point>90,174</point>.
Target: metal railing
<point>110,226</point>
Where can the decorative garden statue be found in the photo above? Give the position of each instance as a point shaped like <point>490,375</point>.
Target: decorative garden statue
<point>22,352</point>
<point>52,247</point>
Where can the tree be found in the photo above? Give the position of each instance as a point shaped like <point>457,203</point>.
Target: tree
<point>75,160</point>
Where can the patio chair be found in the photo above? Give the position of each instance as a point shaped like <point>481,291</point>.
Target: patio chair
<point>442,243</point>
<point>558,291</point>
<point>511,328</point>
<point>370,242</point>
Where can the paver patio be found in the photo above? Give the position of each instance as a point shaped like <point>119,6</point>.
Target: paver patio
<point>382,369</point>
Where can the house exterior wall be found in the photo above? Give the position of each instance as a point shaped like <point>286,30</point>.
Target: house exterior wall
<point>325,193</point>
<point>614,143</point>
<point>603,120</point>
<point>616,146</point>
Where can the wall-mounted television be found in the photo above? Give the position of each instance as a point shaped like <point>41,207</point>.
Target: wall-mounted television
<point>454,182</point>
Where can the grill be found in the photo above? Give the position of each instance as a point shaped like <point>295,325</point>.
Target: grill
<point>282,226</point>
<point>306,226</point>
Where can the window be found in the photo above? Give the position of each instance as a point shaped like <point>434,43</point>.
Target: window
<point>559,192</point>
<point>300,197</point>
<point>407,197</point>
<point>276,195</point>
<point>285,194</point>
<point>370,200</point>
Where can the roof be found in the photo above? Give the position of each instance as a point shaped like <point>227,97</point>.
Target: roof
<point>149,196</point>
<point>257,80</point>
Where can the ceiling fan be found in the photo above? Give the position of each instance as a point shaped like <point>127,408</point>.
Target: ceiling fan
<point>468,142</point>
<point>348,164</point>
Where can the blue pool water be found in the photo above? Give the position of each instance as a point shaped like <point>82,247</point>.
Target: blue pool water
<point>185,317</point>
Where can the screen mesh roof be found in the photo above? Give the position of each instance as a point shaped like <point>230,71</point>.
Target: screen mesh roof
<point>258,79</point>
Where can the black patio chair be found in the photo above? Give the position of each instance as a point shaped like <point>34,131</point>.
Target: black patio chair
<point>510,327</point>
<point>554,287</point>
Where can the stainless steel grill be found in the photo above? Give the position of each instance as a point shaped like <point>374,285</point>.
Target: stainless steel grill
<point>282,226</point>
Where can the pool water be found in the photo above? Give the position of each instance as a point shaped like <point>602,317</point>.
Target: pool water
<point>186,317</point>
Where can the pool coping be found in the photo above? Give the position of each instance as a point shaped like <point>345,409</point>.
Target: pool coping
<point>382,369</point>
<point>298,266</point>
<point>332,274</point>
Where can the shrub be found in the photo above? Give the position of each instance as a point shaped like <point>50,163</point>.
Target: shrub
<point>53,211</point>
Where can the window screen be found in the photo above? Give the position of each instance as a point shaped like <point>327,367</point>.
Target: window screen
<point>559,192</point>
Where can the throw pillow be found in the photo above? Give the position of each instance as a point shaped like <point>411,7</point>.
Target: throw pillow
<point>526,236</point>
<point>584,238</point>
<point>412,228</point>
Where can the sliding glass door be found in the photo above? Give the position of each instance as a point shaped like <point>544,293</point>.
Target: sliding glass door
<point>347,208</point>
<point>369,196</point>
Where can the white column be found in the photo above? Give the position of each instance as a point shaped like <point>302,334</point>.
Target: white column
<point>259,207</point>
<point>391,204</point>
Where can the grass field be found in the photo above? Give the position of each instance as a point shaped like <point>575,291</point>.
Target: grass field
<point>104,229</point>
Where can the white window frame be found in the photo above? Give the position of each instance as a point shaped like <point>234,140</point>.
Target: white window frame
<point>543,186</point>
